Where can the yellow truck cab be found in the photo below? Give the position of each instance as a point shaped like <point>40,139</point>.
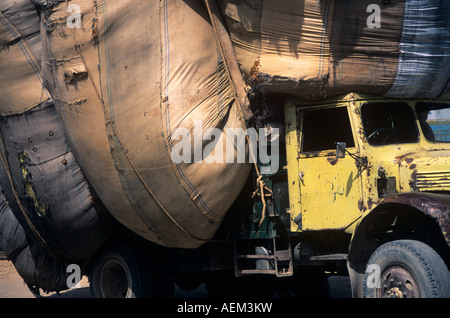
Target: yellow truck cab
<point>377,169</point>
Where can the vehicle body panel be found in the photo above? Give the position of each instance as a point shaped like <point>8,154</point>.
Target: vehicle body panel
<point>327,192</point>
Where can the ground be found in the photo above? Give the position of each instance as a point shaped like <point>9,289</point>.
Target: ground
<point>13,286</point>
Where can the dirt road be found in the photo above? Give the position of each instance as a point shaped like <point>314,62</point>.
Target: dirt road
<point>13,286</point>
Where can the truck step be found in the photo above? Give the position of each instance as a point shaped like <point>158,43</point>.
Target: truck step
<point>266,259</point>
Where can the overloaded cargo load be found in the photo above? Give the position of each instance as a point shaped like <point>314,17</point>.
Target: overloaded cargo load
<point>52,214</point>
<point>45,187</point>
<point>49,214</point>
<point>97,96</point>
<point>39,175</point>
<point>125,82</point>
<point>123,85</point>
<point>32,262</point>
<point>315,49</point>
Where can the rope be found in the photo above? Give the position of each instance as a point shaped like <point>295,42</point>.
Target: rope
<point>260,191</point>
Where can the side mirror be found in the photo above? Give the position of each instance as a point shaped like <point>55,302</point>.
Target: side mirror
<point>340,150</point>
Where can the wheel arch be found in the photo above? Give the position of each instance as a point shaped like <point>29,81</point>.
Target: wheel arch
<point>418,216</point>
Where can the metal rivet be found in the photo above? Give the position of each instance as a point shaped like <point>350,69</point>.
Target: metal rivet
<point>64,161</point>
<point>34,149</point>
<point>50,133</point>
<point>30,139</point>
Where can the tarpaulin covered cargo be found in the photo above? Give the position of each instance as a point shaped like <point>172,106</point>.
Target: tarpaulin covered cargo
<point>321,48</point>
<point>34,264</point>
<point>123,82</point>
<point>49,215</point>
<point>121,77</point>
<point>45,187</point>
<point>21,82</point>
<point>39,176</point>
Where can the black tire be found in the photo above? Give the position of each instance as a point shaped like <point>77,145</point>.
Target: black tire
<point>406,269</point>
<point>120,272</point>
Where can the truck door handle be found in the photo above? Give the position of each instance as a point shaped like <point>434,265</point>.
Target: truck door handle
<point>301,175</point>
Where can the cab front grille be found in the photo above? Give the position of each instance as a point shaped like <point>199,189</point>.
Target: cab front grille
<point>433,181</point>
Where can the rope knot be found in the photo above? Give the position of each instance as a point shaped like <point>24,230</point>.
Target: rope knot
<point>260,190</point>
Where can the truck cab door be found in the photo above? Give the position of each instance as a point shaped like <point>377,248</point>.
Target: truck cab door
<point>330,187</point>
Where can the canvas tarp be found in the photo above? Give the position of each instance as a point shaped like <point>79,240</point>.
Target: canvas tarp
<point>315,49</point>
<point>33,264</point>
<point>21,80</point>
<point>45,187</point>
<point>123,82</point>
<point>49,215</point>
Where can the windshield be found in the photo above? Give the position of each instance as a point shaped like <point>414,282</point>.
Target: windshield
<point>434,120</point>
<point>389,123</point>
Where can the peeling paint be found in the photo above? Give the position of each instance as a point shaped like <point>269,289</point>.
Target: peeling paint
<point>435,205</point>
<point>30,192</point>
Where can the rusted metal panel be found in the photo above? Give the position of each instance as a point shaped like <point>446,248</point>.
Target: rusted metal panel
<point>435,205</point>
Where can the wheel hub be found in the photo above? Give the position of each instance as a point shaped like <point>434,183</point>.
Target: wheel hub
<point>399,282</point>
<point>114,281</point>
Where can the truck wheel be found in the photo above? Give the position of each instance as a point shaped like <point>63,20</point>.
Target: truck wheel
<point>121,273</point>
<point>406,269</point>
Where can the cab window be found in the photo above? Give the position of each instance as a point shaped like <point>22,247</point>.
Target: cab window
<point>389,123</point>
<point>434,119</point>
<point>323,128</point>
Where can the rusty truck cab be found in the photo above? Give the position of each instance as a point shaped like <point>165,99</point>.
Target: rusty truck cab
<point>376,168</point>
